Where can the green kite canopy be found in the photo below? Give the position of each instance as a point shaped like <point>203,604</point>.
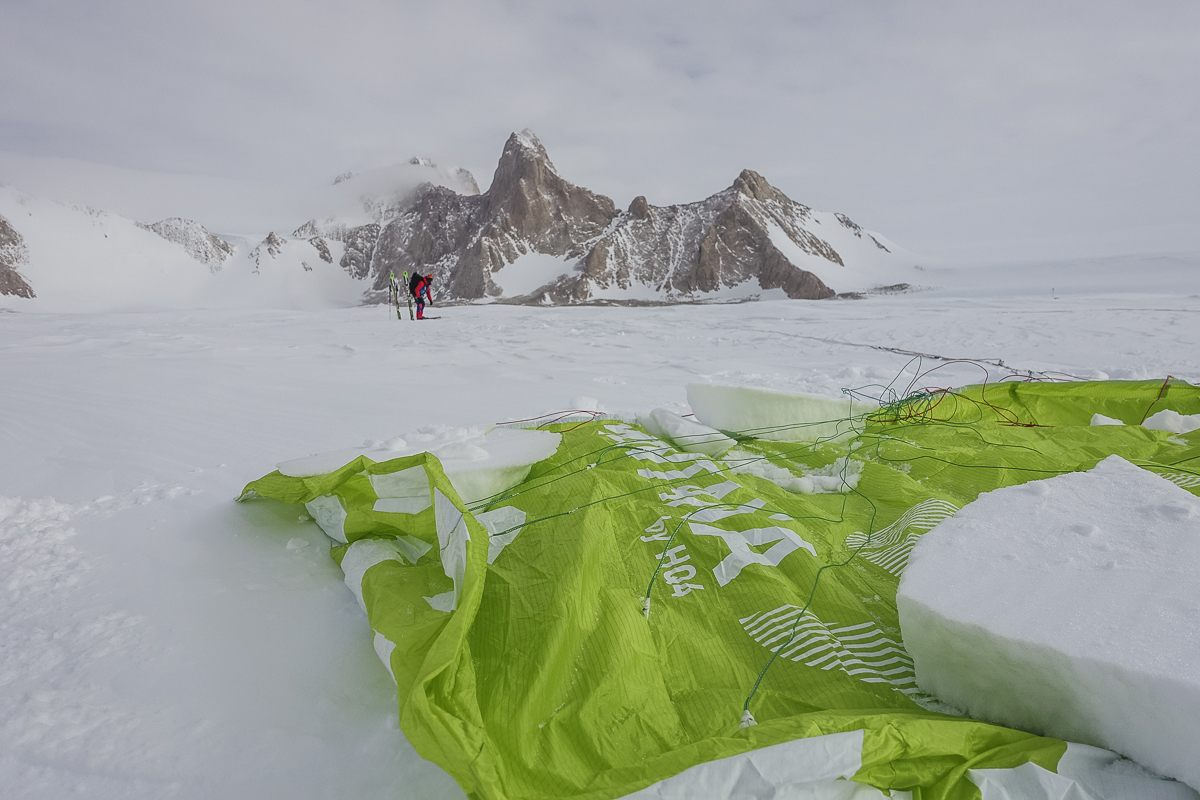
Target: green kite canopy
<point>631,610</point>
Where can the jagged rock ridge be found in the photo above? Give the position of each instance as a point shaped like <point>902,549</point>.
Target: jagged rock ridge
<point>196,240</point>
<point>13,254</point>
<point>682,250</point>
<point>464,240</point>
<point>749,235</point>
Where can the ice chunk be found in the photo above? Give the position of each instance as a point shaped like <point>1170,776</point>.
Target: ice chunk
<point>479,463</point>
<point>403,492</point>
<point>775,415</point>
<point>461,451</point>
<point>511,453</point>
<point>691,437</point>
<point>1173,422</point>
<point>1068,607</point>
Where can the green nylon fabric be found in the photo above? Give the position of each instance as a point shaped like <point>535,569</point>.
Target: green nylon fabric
<point>548,680</point>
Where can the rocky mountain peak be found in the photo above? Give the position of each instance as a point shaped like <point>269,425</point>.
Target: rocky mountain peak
<point>531,201</point>
<point>523,160</point>
<point>639,208</point>
<point>528,140</point>
<point>755,186</point>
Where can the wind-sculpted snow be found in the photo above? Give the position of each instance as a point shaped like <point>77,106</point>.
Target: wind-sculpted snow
<point>196,240</point>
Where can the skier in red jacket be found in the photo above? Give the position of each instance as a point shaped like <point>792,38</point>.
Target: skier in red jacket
<point>420,285</point>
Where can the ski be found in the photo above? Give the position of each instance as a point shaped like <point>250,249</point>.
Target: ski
<point>394,294</point>
<point>407,296</point>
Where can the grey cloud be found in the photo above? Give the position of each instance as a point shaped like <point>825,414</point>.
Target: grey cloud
<point>947,126</point>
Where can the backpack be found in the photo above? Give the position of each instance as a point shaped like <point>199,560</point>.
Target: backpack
<point>414,281</point>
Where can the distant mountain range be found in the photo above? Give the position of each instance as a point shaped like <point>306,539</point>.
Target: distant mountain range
<point>532,237</point>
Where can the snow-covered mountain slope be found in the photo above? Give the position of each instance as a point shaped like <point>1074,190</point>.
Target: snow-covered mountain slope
<point>64,257</point>
<point>225,205</point>
<point>78,258</point>
<point>196,240</point>
<point>281,272</point>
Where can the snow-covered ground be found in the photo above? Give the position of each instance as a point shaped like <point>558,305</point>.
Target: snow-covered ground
<point>159,640</point>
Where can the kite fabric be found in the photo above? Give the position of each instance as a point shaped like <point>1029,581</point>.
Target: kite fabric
<point>631,610</point>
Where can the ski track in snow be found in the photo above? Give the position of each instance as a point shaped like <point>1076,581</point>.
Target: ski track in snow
<point>157,640</point>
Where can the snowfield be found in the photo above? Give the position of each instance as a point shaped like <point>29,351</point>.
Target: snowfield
<point>160,640</point>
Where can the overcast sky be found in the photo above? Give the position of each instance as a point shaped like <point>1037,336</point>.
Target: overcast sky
<point>953,128</point>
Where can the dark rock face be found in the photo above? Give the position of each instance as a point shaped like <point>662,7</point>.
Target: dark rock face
<point>13,254</point>
<point>196,240</point>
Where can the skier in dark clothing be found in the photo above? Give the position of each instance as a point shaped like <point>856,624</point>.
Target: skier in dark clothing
<point>420,285</point>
